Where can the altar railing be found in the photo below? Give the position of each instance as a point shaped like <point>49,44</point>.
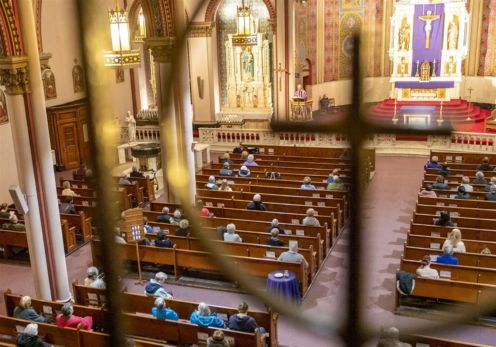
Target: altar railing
<point>149,133</point>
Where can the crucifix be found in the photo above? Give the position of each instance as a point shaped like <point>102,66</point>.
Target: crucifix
<point>279,72</point>
<point>428,18</point>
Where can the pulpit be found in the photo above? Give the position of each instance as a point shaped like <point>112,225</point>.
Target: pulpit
<point>301,110</point>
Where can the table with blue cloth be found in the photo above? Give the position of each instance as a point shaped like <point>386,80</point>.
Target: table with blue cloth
<point>284,287</point>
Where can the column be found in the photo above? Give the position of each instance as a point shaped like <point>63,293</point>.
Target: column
<point>281,54</point>
<point>176,119</point>
<point>41,140</point>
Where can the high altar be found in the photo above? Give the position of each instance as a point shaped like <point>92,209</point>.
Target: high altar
<point>429,41</point>
<point>248,65</point>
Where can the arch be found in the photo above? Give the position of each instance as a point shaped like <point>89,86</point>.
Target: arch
<point>9,25</point>
<point>213,6</point>
<point>147,12</point>
<point>159,14</point>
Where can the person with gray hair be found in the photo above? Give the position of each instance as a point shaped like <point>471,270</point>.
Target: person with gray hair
<point>204,317</point>
<point>230,234</point>
<point>177,217</point>
<point>390,337</point>
<point>293,255</point>
<point>155,287</point>
<point>211,183</point>
<point>164,217</point>
<point>29,337</point>
<point>161,311</point>
<point>14,223</point>
<point>479,178</point>
<point>183,229</point>
<point>466,184</point>
<point>491,196</point>
<point>256,204</point>
<point>433,163</point>
<point>25,311</point>
<point>250,161</point>
<point>67,319</point>
<point>310,218</point>
<point>447,257</point>
<point>274,239</point>
<point>91,275</point>
<point>275,224</point>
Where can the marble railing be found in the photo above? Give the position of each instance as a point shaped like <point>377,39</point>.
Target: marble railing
<point>149,133</point>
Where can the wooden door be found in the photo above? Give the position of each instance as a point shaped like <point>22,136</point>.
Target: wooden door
<point>69,144</point>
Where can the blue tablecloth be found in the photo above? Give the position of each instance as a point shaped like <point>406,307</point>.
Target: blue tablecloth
<point>284,287</point>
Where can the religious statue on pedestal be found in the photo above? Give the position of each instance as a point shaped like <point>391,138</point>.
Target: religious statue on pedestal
<point>453,33</point>
<point>247,65</point>
<point>131,126</point>
<point>404,35</point>
<point>428,18</point>
<point>425,71</point>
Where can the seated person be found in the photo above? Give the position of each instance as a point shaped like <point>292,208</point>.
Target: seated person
<point>485,166</point>
<point>221,230</point>
<point>307,184</point>
<point>163,241</point>
<point>293,255</point>
<point>66,319</point>
<point>183,229</point>
<point>300,93</point>
<point>230,234</point>
<point>164,217</point>
<point>425,270</point>
<point>244,155</point>
<point>177,217</point>
<point>428,192</point>
<point>99,283</point>
<point>244,171</point>
<point>330,178</point>
<point>4,210</point>
<point>439,184</point>
<point>492,181</point>
<point>310,218</point>
<point>275,224</point>
<point>147,227</point>
<point>82,170</point>
<point>124,180</point>
<point>444,220</point>
<point>345,154</point>
<point>491,196</point>
<point>67,206</point>
<point>433,163</point>
<point>226,170</point>
<point>14,224</point>
<point>67,191</point>
<point>466,184</point>
<point>211,184</point>
<point>480,178</point>
<point>217,340</point>
<point>454,238</point>
<point>336,184</point>
<point>25,311</point>
<point>461,193</point>
<point>155,287</point>
<point>444,170</point>
<point>224,186</point>
<point>135,173</point>
<point>256,204</point>
<point>226,159</point>
<point>447,257</point>
<point>160,311</point>
<point>29,337</point>
<point>204,317</point>
<point>243,322</point>
<point>204,212</point>
<point>274,239</point>
<point>250,161</point>
<point>91,275</point>
<point>118,237</point>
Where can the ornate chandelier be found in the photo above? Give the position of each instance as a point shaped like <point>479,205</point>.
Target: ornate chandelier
<point>121,54</point>
<point>247,27</point>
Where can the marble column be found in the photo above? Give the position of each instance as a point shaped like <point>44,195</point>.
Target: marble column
<point>175,114</point>
<point>41,140</point>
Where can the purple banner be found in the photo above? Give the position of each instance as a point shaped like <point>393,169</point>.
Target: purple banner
<point>431,84</point>
<point>420,52</point>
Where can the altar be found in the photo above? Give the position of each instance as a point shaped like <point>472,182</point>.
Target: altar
<point>417,115</point>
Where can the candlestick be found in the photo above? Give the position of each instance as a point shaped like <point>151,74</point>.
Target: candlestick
<point>417,72</point>
<point>434,68</point>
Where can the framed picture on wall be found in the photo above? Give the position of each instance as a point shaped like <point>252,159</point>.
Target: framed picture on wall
<point>119,75</point>
<point>4,117</point>
<point>78,78</point>
<point>49,86</point>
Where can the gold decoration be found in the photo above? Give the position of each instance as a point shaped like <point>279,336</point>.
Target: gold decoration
<point>403,67</point>
<point>404,35</point>
<point>405,93</point>
<point>14,75</point>
<point>201,29</point>
<point>162,48</point>
<point>425,71</point>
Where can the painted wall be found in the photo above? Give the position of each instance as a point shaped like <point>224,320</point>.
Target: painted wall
<point>8,167</point>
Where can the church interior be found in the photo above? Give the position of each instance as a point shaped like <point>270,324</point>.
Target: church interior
<point>248,173</point>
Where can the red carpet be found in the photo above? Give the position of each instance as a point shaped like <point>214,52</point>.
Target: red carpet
<point>454,112</point>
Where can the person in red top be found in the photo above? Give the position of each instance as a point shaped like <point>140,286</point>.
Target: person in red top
<point>67,319</point>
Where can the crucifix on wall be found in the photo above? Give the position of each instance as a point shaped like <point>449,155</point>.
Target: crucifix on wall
<point>280,70</point>
<point>428,18</point>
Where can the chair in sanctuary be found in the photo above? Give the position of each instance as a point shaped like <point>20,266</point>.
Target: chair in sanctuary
<point>490,122</point>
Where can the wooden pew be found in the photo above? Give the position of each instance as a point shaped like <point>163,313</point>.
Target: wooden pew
<point>467,233</point>
<point>311,169</point>
<point>457,211</point>
<point>140,303</point>
<point>436,342</point>
<point>9,239</point>
<point>82,223</point>
<point>445,193</point>
<point>417,250</point>
<point>69,236</point>
<point>181,258</point>
<point>469,203</point>
<point>463,157</point>
<point>79,191</point>
<point>460,221</point>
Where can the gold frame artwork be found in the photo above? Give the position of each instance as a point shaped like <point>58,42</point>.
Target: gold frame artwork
<point>50,89</point>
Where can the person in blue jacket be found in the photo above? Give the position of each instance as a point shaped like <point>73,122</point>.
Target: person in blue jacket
<point>202,316</point>
<point>447,257</point>
<point>160,311</point>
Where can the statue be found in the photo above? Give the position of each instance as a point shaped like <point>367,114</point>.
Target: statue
<point>451,66</point>
<point>247,65</point>
<point>403,67</point>
<point>453,33</point>
<point>428,19</point>
<point>404,35</point>
<point>131,127</point>
<point>425,71</point>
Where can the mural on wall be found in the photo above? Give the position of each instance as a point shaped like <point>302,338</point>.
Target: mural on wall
<point>4,117</point>
<point>487,58</point>
<point>78,78</point>
<point>49,85</point>
<point>350,24</point>
<point>119,75</point>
